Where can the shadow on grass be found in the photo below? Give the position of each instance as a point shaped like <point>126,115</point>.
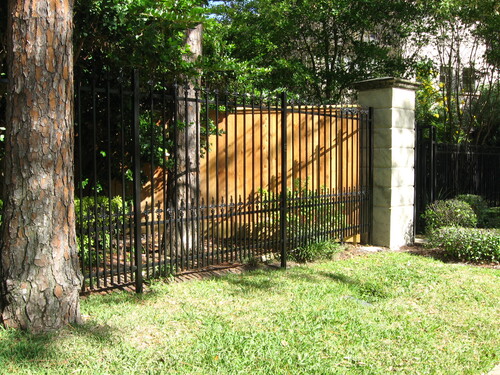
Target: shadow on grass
<point>363,289</point>
<point>272,279</point>
<point>255,279</point>
<point>20,349</point>
<point>119,297</point>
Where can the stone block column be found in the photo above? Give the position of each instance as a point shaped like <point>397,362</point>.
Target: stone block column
<point>393,103</point>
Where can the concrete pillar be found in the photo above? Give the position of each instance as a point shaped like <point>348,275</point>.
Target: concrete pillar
<point>393,103</point>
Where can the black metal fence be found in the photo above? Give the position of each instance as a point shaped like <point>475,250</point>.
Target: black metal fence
<point>445,170</point>
<point>177,178</point>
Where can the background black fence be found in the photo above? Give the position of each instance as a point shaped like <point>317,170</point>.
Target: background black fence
<point>445,170</point>
<point>173,178</point>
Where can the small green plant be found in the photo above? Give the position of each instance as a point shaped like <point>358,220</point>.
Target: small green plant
<point>164,270</point>
<point>91,208</point>
<point>478,204</point>
<point>311,213</point>
<point>93,217</point>
<point>316,251</point>
<point>447,213</point>
<point>251,262</point>
<point>473,244</point>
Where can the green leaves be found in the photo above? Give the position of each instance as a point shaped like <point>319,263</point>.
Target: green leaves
<point>112,35</point>
<point>472,244</point>
<point>314,49</point>
<point>464,38</point>
<point>452,212</point>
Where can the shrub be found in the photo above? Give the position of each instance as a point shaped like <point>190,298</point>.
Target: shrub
<point>92,217</point>
<point>310,212</point>
<point>492,218</point>
<point>316,251</point>
<point>90,206</point>
<point>474,244</point>
<point>448,213</point>
<point>478,204</point>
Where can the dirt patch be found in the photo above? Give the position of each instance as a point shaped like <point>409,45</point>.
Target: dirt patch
<point>213,271</point>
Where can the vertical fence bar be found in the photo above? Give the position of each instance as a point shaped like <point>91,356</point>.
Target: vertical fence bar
<point>187,236</point>
<point>174,225</point>
<point>147,245</point>
<point>326,118</point>
<point>209,244</point>
<point>261,216</point>
<point>283,208</point>
<point>338,170</point>
<point>81,242</point>
<point>276,195</point>
<point>364,171</point>
<point>306,129</point>
<point>237,221</point>
<point>217,191</point>
<point>293,151</point>
<point>137,182</point>
<point>245,198</point>
<point>150,253</point>
<point>432,165</point>
<point>109,222</point>
<point>253,221</point>
<point>94,161</point>
<point>302,163</point>
<point>89,254</point>
<point>416,154</point>
<point>227,217</point>
<point>352,212</point>
<point>312,151</point>
<point>198,226</point>
<point>124,211</point>
<point>163,243</point>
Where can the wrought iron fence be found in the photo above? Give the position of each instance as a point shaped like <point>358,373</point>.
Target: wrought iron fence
<point>444,171</point>
<point>175,178</point>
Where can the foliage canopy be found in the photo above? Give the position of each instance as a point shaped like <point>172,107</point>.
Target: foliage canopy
<point>314,49</point>
<point>112,36</point>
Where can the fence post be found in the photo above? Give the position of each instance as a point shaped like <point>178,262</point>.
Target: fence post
<point>284,173</point>
<point>393,102</point>
<point>137,181</point>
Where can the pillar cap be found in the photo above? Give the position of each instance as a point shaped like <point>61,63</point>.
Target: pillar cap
<point>385,83</point>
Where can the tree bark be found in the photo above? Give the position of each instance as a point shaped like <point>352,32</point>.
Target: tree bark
<point>39,273</point>
<point>182,187</point>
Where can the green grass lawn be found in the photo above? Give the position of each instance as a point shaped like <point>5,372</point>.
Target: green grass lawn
<point>377,314</point>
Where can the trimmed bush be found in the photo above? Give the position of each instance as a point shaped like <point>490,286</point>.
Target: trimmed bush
<point>449,213</point>
<point>478,204</point>
<point>473,244</point>
<point>492,218</point>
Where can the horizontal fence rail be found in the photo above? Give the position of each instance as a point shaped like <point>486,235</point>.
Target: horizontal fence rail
<point>176,178</point>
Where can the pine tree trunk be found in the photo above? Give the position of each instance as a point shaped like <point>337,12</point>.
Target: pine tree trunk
<point>182,188</point>
<point>39,273</point>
